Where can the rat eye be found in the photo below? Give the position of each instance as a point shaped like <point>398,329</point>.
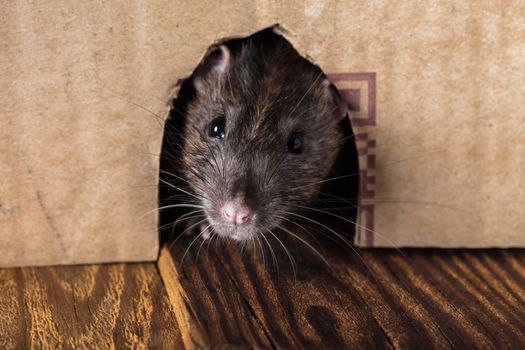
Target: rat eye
<point>295,143</point>
<point>217,128</point>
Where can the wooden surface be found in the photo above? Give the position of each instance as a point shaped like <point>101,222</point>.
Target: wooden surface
<point>418,299</point>
<point>88,307</point>
<point>227,298</point>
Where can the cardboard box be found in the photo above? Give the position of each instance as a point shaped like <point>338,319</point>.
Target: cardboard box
<point>84,90</point>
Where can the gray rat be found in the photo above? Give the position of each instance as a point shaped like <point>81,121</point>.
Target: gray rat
<point>258,131</point>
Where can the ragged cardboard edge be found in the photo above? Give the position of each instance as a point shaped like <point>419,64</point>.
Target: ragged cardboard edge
<point>204,48</point>
<point>283,29</point>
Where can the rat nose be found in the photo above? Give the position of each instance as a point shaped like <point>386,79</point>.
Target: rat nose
<point>236,213</point>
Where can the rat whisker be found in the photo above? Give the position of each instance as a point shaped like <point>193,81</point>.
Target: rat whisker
<point>183,232</point>
<point>204,240</point>
<point>292,261</point>
<point>160,119</point>
<point>258,238</point>
<point>179,197</point>
<point>334,232</point>
<point>162,171</point>
<point>179,205</point>
<point>160,156</point>
<point>187,216</point>
<point>186,230</point>
<point>358,173</point>
<point>306,243</point>
<point>345,200</point>
<point>378,200</point>
<point>326,180</point>
<point>300,226</point>
<point>276,264</point>
<point>184,217</point>
<point>338,208</point>
<point>173,107</point>
<point>191,244</point>
<point>188,185</point>
<point>213,235</point>
<point>356,224</point>
<point>180,189</point>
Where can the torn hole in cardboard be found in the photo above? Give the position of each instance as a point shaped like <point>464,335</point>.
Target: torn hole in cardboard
<point>339,195</point>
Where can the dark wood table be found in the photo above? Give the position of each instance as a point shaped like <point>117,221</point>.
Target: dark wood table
<point>218,296</point>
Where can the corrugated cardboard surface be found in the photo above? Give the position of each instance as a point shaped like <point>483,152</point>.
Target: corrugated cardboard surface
<point>78,142</point>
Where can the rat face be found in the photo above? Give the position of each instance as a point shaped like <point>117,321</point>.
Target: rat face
<point>262,133</point>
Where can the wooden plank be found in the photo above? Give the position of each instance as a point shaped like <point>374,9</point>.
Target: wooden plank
<point>209,309</point>
<point>92,307</point>
<point>377,299</point>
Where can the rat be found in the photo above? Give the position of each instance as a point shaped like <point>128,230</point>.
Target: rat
<point>259,130</point>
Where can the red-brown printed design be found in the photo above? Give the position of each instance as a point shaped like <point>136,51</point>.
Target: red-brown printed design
<point>359,90</point>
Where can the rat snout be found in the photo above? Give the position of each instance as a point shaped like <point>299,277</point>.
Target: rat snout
<point>236,212</point>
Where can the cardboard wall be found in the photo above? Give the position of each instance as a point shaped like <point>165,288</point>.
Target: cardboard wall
<point>80,83</point>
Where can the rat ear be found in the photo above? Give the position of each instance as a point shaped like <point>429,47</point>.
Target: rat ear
<point>212,67</point>
<point>336,98</point>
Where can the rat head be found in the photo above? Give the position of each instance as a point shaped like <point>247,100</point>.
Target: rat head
<point>262,132</point>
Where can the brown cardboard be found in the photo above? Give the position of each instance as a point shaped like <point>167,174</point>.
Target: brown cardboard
<point>439,90</point>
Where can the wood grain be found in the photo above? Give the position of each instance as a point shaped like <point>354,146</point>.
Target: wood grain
<point>377,299</point>
<point>115,306</point>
